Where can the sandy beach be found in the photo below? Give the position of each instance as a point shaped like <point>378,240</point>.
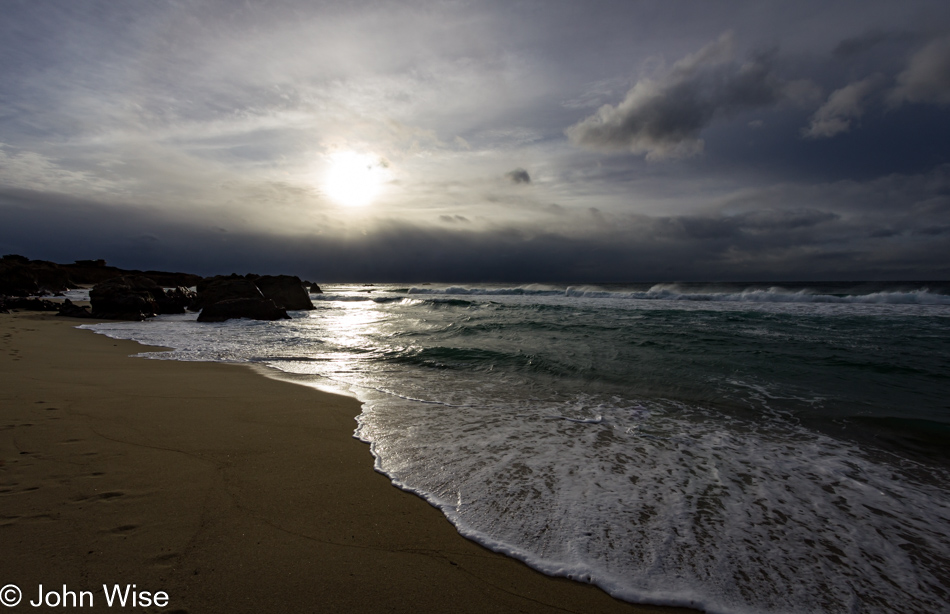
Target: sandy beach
<point>224,489</point>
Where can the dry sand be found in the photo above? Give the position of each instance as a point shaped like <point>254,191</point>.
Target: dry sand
<point>227,490</point>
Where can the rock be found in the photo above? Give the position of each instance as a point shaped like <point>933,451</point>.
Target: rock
<point>176,300</point>
<point>171,280</point>
<point>253,308</point>
<point>29,304</point>
<point>135,297</point>
<point>20,276</point>
<point>50,277</point>
<point>216,289</point>
<point>42,277</point>
<point>260,298</point>
<point>315,289</point>
<point>126,298</point>
<point>93,271</point>
<point>70,309</point>
<point>16,279</point>
<point>96,271</point>
<point>98,263</point>
<point>285,290</point>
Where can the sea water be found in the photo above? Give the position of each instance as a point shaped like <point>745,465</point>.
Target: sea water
<point>732,447</point>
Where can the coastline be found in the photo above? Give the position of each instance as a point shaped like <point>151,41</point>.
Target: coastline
<point>226,489</point>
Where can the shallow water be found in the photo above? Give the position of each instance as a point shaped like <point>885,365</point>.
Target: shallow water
<point>740,448</point>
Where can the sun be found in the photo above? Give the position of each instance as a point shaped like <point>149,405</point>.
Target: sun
<point>354,179</point>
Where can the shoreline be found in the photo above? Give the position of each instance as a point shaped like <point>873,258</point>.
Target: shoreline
<point>226,489</point>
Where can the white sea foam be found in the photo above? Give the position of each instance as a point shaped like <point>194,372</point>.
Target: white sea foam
<point>78,294</point>
<point>676,292</point>
<point>672,506</point>
<point>770,295</point>
<point>529,290</point>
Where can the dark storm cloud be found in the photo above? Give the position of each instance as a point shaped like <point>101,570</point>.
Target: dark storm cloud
<point>663,117</point>
<point>762,223</point>
<point>519,175</point>
<point>933,230</point>
<point>454,219</point>
<point>761,243</point>
<point>844,107</point>
<point>748,239</point>
<point>857,45</point>
<point>927,76</point>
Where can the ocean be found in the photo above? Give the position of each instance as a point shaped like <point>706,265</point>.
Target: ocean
<point>739,448</point>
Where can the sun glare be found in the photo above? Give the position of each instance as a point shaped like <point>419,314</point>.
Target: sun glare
<point>354,179</point>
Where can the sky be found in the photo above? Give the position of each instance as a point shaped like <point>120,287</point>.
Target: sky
<point>509,141</point>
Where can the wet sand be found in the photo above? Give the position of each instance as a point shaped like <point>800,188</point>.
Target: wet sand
<point>225,489</point>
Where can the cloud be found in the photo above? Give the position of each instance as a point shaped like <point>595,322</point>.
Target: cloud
<point>32,170</point>
<point>856,45</point>
<point>892,227</point>
<point>744,229</point>
<point>927,76</point>
<point>663,117</point>
<point>843,106</point>
<point>197,117</point>
<point>519,175</point>
<point>454,219</point>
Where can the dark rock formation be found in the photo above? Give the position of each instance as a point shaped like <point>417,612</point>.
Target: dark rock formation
<point>177,300</point>
<point>126,298</point>
<point>135,297</point>
<point>315,289</point>
<point>285,290</point>
<point>51,278</point>
<point>16,279</point>
<point>70,309</point>
<point>253,308</point>
<point>20,276</point>
<point>29,304</point>
<point>171,280</point>
<point>213,290</point>
<point>96,271</point>
<point>265,297</point>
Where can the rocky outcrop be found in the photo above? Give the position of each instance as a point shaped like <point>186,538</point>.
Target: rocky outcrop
<point>171,280</point>
<point>213,290</point>
<point>126,298</point>
<point>285,290</point>
<point>97,271</point>
<point>28,304</point>
<point>253,308</point>
<point>135,297</point>
<point>70,309</point>
<point>20,276</point>
<point>93,271</point>
<point>177,300</point>
<point>16,279</point>
<point>315,289</point>
<point>266,297</point>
